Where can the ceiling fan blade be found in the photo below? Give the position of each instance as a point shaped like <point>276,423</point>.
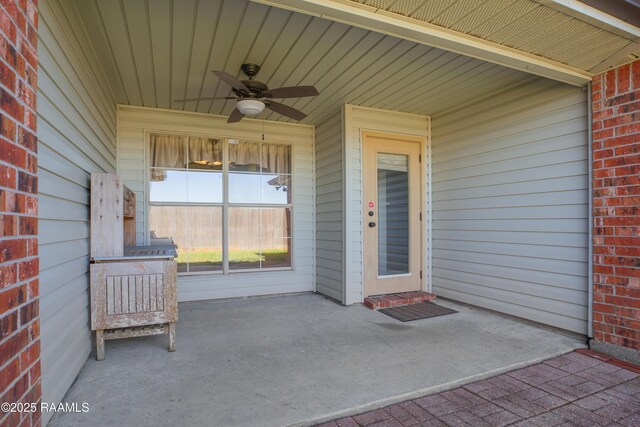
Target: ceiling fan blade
<point>235,116</point>
<point>285,110</point>
<point>292,92</point>
<point>232,81</point>
<point>209,98</point>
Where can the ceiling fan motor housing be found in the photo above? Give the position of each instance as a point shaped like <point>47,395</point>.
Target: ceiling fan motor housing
<point>256,88</point>
<point>251,70</point>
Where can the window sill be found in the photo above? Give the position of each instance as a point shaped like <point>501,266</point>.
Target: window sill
<point>234,272</point>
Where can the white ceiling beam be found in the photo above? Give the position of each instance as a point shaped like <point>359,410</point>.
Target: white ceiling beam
<point>381,21</point>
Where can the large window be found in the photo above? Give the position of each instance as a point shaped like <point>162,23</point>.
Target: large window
<point>226,203</point>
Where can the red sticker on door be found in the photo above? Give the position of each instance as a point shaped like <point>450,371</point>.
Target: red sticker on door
<point>371,204</point>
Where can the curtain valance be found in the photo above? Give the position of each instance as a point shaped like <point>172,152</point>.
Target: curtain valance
<point>171,151</point>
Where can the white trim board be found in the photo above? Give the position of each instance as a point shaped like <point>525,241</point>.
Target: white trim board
<point>384,22</point>
<point>596,17</point>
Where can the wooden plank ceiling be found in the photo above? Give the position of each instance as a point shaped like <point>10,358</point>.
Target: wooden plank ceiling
<point>155,51</point>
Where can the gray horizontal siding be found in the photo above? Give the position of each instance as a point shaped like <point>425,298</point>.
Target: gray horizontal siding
<point>510,204</point>
<point>329,208</point>
<point>76,131</point>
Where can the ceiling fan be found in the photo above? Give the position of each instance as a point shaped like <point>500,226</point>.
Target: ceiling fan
<point>253,95</point>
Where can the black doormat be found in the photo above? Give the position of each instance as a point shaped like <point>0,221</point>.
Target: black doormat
<point>423,310</point>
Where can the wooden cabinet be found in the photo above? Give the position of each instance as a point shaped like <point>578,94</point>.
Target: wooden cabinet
<point>129,199</point>
<point>129,217</point>
<point>133,288</point>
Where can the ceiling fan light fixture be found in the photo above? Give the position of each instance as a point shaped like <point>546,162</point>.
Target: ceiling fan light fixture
<point>250,107</point>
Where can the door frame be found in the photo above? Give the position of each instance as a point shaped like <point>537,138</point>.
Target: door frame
<point>425,197</point>
<point>356,119</point>
<point>410,139</point>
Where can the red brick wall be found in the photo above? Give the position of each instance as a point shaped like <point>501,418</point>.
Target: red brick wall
<point>19,322</point>
<point>616,206</point>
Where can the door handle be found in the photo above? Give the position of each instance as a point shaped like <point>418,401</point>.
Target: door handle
<point>372,224</point>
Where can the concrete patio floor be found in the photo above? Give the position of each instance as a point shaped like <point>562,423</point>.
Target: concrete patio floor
<point>297,360</point>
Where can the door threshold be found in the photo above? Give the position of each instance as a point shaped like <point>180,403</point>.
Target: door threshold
<point>394,300</point>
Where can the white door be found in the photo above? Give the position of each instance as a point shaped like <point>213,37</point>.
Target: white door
<point>392,217</point>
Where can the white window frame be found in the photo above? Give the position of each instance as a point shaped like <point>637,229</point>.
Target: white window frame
<point>225,200</point>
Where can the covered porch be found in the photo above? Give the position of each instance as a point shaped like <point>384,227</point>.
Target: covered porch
<point>298,360</point>
<point>504,202</point>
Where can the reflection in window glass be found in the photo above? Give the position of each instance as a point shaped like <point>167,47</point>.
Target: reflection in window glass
<point>259,238</point>
<point>169,222</point>
<point>244,238</point>
<point>176,152</point>
<point>393,214</point>
<point>168,186</point>
<point>187,193</point>
<point>205,153</point>
<point>204,187</point>
<point>196,230</point>
<point>244,188</point>
<point>203,250</point>
<point>168,151</point>
<point>275,189</point>
<point>259,157</point>
<point>275,237</point>
<point>276,158</point>
<point>244,156</point>
<point>258,188</point>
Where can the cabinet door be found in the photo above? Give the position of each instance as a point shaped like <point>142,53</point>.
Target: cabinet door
<point>133,293</point>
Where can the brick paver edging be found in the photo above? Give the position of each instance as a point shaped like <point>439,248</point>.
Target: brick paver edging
<point>573,389</point>
<point>606,358</point>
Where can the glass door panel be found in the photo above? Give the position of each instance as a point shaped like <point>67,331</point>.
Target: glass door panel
<point>393,214</point>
